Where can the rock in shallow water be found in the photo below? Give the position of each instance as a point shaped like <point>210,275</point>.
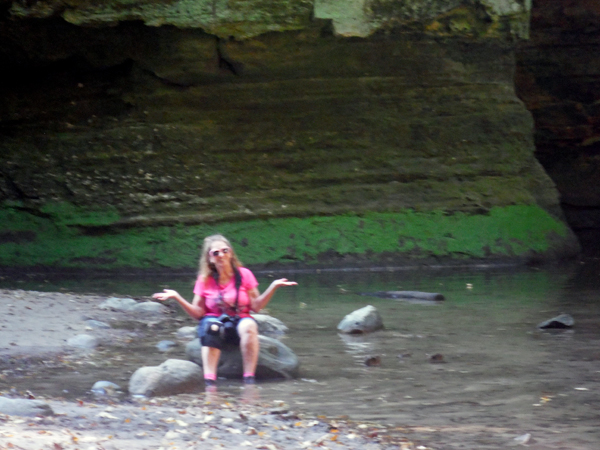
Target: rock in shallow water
<point>363,320</point>
<point>275,359</point>
<point>562,321</point>
<point>174,376</point>
<point>270,326</point>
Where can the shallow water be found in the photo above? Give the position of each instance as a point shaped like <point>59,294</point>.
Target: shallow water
<point>499,372</point>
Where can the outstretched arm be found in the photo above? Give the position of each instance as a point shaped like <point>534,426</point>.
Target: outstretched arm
<point>194,309</point>
<point>259,301</point>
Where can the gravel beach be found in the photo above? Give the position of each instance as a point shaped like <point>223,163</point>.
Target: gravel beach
<point>184,422</point>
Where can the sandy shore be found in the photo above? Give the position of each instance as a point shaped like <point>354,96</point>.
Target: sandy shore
<point>183,422</point>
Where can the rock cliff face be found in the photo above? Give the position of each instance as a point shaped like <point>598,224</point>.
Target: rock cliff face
<point>307,131</point>
<point>558,78</point>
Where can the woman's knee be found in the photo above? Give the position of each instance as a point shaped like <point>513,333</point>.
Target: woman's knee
<point>248,328</point>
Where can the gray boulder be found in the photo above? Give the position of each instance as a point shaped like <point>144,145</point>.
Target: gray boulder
<point>83,341</point>
<point>129,305</point>
<point>118,304</point>
<point>270,326</point>
<point>165,346</point>
<point>149,308</point>
<point>363,320</point>
<point>275,359</point>
<point>174,376</point>
<point>187,333</point>
<point>22,407</point>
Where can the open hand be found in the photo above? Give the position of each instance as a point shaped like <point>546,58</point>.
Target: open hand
<point>165,295</point>
<point>283,282</point>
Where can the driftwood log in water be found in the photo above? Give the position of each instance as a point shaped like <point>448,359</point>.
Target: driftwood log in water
<point>406,295</point>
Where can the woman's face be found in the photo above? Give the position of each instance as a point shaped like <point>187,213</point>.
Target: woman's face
<point>219,254</point>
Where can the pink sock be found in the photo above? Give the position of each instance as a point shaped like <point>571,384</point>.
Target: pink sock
<point>210,376</point>
<point>248,374</point>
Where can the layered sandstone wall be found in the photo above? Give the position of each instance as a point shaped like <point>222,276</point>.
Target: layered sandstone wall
<point>306,131</point>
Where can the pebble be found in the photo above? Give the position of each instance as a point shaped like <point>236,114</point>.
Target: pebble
<point>165,346</point>
<point>105,388</point>
<point>438,358</point>
<point>97,324</point>
<point>372,361</point>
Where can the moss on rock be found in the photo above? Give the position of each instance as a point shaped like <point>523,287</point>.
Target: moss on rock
<point>515,232</point>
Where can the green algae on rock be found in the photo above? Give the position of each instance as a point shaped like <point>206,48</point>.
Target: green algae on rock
<point>513,232</point>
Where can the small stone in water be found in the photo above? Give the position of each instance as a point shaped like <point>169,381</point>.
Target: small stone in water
<point>561,321</point>
<point>437,358</point>
<point>373,361</point>
<point>523,439</point>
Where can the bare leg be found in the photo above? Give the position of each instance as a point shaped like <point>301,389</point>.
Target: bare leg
<point>210,361</point>
<point>249,345</point>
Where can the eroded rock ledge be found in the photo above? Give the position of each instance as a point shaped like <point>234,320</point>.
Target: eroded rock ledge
<point>250,18</point>
<point>340,128</point>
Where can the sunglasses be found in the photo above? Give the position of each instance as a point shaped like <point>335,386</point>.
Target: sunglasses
<point>218,252</point>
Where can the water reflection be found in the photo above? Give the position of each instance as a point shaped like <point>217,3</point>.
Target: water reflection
<point>358,345</point>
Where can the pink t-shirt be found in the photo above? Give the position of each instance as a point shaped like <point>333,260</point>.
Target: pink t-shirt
<point>211,292</point>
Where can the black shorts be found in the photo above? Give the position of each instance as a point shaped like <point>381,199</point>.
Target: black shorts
<point>216,332</point>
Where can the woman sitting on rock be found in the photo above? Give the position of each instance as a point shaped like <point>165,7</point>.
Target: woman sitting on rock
<point>224,294</point>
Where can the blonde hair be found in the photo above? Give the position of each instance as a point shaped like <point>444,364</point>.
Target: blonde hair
<point>205,268</point>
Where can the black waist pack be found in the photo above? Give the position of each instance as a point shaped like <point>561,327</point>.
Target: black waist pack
<point>224,326</point>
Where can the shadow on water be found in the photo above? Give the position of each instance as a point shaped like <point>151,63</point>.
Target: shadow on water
<point>475,359</point>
